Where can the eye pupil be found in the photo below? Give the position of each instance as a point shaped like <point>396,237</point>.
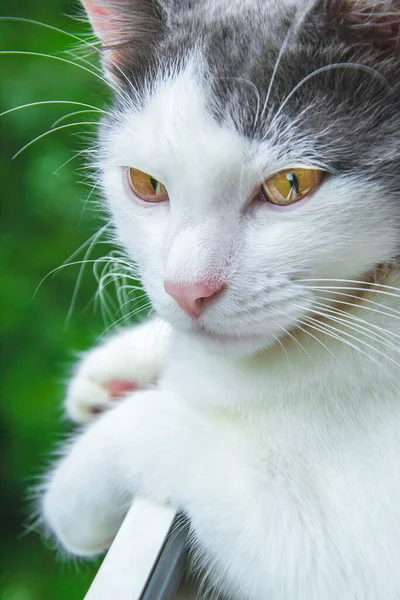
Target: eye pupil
<point>293,182</point>
<point>154,183</point>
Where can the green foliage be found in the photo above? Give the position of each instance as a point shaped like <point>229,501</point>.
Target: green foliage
<point>45,218</point>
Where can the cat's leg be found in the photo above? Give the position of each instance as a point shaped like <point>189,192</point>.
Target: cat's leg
<point>129,360</point>
<point>125,451</point>
<point>156,445</point>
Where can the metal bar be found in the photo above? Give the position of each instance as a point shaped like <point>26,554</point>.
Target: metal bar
<point>145,561</point>
<point>170,567</point>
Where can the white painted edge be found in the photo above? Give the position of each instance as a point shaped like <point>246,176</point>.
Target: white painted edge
<point>131,558</point>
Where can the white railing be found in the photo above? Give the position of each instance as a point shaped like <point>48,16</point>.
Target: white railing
<point>146,559</point>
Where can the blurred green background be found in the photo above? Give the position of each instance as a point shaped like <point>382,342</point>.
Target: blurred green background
<point>45,218</point>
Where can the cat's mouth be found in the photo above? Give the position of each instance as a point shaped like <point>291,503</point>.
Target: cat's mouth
<point>222,337</point>
<point>234,341</point>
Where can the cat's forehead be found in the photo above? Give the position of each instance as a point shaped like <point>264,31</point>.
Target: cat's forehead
<point>236,37</point>
<point>230,29</point>
<point>274,71</point>
<point>173,129</point>
<point>211,8</point>
<point>242,48</point>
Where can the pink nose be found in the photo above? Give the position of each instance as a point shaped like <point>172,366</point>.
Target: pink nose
<point>191,297</point>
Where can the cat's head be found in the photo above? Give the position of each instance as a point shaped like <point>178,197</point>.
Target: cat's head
<point>273,129</point>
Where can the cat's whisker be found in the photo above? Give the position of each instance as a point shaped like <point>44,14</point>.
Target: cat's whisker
<point>107,311</point>
<point>326,330</point>
<point>137,299</point>
<point>320,342</point>
<point>48,132</point>
<point>114,261</point>
<point>120,258</point>
<point>293,337</point>
<point>88,197</point>
<point>326,68</point>
<point>63,60</point>
<point>69,264</point>
<point>254,87</point>
<point>107,306</point>
<point>115,264</point>
<point>124,318</point>
<point>123,291</point>
<point>72,114</point>
<point>293,28</point>
<point>56,269</point>
<point>44,102</point>
<point>340,332</point>
<point>79,278</point>
<point>298,326</point>
<point>126,272</point>
<point>109,278</point>
<point>358,305</point>
<point>349,315</point>
<point>90,45</point>
<point>90,182</point>
<point>113,86</point>
<point>280,343</point>
<point>373,284</point>
<point>88,245</point>
<point>276,67</point>
<point>88,242</point>
<point>375,336</point>
<point>73,54</point>
<point>133,86</point>
<point>393,312</point>
<point>73,157</point>
<point>391,341</point>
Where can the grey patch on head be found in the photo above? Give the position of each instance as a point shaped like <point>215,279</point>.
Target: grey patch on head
<point>329,90</point>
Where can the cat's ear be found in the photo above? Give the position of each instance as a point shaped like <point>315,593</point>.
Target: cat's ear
<point>103,18</point>
<point>120,22</point>
<point>374,21</point>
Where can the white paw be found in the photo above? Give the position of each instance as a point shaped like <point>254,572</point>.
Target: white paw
<point>130,360</point>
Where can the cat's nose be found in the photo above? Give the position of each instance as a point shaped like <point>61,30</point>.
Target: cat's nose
<point>192,297</point>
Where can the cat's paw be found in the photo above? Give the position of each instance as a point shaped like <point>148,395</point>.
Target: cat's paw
<point>89,395</point>
<point>127,361</point>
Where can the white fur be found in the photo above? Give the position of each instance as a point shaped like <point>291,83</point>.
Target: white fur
<point>284,457</point>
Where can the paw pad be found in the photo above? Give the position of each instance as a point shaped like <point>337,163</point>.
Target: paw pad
<point>119,387</point>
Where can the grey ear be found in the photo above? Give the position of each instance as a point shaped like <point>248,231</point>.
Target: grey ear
<point>121,22</point>
<point>375,21</point>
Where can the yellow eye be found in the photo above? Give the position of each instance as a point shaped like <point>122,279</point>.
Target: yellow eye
<point>291,185</point>
<point>146,187</point>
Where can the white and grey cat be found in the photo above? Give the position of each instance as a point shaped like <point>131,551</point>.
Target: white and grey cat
<point>251,166</point>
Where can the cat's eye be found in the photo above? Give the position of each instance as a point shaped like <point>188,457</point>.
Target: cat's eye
<point>146,187</point>
<point>291,185</point>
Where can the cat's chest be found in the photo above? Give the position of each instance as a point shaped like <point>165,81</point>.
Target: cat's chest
<point>298,499</point>
<point>298,510</point>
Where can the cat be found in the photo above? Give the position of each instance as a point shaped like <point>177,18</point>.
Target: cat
<point>250,163</point>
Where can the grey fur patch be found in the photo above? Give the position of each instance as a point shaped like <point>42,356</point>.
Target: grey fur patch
<point>289,71</point>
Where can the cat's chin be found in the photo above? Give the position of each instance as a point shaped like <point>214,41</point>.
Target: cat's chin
<point>235,345</point>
